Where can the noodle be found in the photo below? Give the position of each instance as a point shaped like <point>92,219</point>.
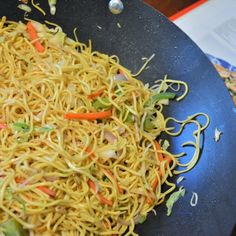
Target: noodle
<point>38,7</point>
<point>82,176</point>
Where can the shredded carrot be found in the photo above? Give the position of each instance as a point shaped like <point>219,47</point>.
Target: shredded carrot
<point>44,189</point>
<point>161,157</point>
<point>92,185</point>
<point>3,126</point>
<point>158,148</point>
<point>150,198</point>
<point>104,200</point>
<point>121,72</point>
<point>155,182</point>
<point>19,180</point>
<point>106,225</point>
<point>48,191</point>
<point>108,173</point>
<point>34,36</point>
<point>149,201</point>
<point>101,198</point>
<point>168,159</point>
<point>97,94</point>
<point>89,116</point>
<point>89,150</point>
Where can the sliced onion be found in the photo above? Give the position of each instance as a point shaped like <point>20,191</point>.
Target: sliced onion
<point>120,77</point>
<point>136,219</point>
<point>110,137</point>
<point>217,135</point>
<point>24,183</point>
<point>154,211</point>
<point>9,101</point>
<point>109,154</point>
<point>2,175</point>
<point>121,130</point>
<point>39,116</point>
<point>143,170</point>
<point>180,179</point>
<point>123,222</point>
<point>71,87</point>
<point>194,199</point>
<point>51,178</point>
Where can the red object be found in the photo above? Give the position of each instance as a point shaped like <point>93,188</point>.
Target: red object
<point>186,10</point>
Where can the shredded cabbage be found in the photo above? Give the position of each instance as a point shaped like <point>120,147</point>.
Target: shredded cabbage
<point>180,179</point>
<point>24,7</point>
<point>174,197</point>
<point>217,135</point>
<point>58,39</point>
<point>165,144</point>
<point>20,127</point>
<point>142,219</point>
<point>52,4</point>
<point>13,228</point>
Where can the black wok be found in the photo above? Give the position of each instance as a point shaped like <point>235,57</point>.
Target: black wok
<point>144,32</point>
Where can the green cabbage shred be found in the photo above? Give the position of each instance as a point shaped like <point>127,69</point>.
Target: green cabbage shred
<point>174,197</point>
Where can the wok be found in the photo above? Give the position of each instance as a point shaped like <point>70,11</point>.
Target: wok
<point>143,32</point>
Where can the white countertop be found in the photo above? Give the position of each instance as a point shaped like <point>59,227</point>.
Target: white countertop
<point>213,27</point>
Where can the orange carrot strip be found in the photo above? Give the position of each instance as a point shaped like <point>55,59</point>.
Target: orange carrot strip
<point>44,189</point>
<point>106,225</point>
<point>168,159</point>
<point>19,180</point>
<point>3,126</point>
<point>158,147</point>
<point>48,191</point>
<point>108,172</point>
<point>149,201</point>
<point>150,198</point>
<point>155,182</point>
<point>97,94</point>
<point>34,36</point>
<point>92,185</point>
<point>89,150</point>
<point>122,72</point>
<point>104,200</point>
<point>101,198</point>
<point>89,116</point>
<point>161,157</point>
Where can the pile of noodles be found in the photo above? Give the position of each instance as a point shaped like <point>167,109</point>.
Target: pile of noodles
<point>39,147</point>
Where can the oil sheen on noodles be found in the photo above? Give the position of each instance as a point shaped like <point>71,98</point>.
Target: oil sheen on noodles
<point>78,149</point>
